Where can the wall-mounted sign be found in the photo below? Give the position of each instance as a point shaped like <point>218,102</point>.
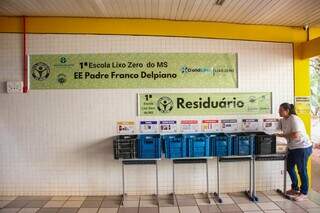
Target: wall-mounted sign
<point>133,70</point>
<point>302,104</point>
<point>229,125</point>
<point>148,127</point>
<point>125,127</point>
<point>189,126</point>
<point>211,126</point>
<point>270,124</point>
<point>169,126</point>
<point>169,104</point>
<point>250,124</point>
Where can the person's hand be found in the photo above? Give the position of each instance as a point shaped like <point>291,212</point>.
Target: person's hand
<point>280,135</point>
<point>317,146</point>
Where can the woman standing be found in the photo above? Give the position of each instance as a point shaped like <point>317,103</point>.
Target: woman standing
<point>299,150</point>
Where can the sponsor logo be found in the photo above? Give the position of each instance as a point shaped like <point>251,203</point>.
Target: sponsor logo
<point>62,78</point>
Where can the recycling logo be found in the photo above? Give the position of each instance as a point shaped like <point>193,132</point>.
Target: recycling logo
<point>40,71</point>
<point>165,104</point>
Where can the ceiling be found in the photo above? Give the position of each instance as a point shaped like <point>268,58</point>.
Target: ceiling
<point>268,12</point>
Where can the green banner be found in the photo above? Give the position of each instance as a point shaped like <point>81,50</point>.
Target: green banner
<point>133,70</point>
<point>170,104</point>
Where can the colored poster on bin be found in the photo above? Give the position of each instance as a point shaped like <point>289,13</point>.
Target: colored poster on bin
<point>125,127</point>
<point>229,125</point>
<point>271,125</point>
<point>189,126</point>
<point>148,127</point>
<point>168,126</point>
<point>250,125</point>
<point>211,126</point>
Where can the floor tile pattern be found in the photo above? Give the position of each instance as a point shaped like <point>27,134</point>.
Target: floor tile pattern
<point>269,202</point>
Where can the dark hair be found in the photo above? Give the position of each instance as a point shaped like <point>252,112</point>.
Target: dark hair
<point>289,107</point>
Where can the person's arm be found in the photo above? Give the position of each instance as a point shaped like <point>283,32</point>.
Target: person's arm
<point>295,129</point>
<point>292,135</point>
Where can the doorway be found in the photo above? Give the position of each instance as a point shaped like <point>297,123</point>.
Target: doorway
<point>315,119</point>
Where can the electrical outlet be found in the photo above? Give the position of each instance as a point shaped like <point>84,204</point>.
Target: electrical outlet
<point>14,86</point>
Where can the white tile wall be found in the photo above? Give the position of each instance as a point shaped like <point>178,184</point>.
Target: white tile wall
<point>58,142</point>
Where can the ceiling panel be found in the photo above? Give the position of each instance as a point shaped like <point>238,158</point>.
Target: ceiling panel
<point>268,12</point>
<point>194,9</point>
<point>225,9</point>
<point>273,11</point>
<point>259,9</point>
<point>240,8</point>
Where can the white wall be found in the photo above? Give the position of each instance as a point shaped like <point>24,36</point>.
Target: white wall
<point>56,142</point>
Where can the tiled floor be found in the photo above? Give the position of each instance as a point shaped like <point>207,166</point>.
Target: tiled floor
<point>269,202</point>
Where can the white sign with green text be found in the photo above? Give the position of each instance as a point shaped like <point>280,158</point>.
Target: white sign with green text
<point>133,70</point>
<point>170,104</point>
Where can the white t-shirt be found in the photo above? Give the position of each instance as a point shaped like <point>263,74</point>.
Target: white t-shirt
<point>294,124</point>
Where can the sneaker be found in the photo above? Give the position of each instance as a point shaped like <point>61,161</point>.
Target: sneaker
<point>292,192</point>
<point>300,197</point>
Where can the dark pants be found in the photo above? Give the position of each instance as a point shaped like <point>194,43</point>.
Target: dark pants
<point>299,157</point>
